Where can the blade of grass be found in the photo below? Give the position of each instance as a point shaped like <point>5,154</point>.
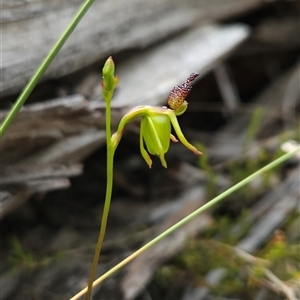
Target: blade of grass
<point>203,208</point>
<point>43,67</point>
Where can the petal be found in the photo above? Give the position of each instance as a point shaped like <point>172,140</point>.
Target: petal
<point>180,135</point>
<point>173,138</point>
<point>156,132</point>
<point>144,152</point>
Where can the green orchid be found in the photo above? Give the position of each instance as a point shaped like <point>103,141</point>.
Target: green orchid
<point>156,122</point>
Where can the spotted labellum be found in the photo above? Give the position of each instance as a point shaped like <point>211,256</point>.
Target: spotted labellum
<point>155,130</point>
<point>176,99</point>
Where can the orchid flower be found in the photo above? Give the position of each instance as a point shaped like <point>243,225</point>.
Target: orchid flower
<point>155,130</point>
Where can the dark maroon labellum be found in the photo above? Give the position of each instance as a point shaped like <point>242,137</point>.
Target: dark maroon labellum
<point>180,92</point>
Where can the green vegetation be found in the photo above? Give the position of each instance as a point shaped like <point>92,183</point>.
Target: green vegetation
<point>244,275</point>
<point>24,259</point>
<point>19,257</point>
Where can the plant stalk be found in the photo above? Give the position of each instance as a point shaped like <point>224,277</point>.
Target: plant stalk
<point>109,186</point>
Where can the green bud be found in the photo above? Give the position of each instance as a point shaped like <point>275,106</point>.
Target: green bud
<point>108,74</point>
<point>109,80</point>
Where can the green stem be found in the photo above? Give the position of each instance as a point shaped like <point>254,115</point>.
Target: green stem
<point>109,186</point>
<point>43,67</point>
<point>203,208</point>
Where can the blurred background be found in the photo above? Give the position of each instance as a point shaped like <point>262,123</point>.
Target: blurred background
<point>243,113</point>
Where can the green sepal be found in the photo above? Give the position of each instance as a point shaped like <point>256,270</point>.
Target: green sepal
<point>156,131</point>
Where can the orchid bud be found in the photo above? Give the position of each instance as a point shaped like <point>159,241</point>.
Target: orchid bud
<point>109,80</point>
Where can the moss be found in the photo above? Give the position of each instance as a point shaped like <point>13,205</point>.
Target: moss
<point>22,258</point>
<point>19,257</point>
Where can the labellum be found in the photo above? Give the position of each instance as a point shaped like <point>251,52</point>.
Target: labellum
<point>177,96</point>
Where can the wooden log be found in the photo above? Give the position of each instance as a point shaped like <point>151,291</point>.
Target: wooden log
<point>23,173</point>
<point>39,125</point>
<point>20,182</point>
<point>29,29</point>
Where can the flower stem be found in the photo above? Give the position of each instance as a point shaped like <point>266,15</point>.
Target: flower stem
<point>203,208</point>
<point>109,185</point>
<point>43,67</point>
